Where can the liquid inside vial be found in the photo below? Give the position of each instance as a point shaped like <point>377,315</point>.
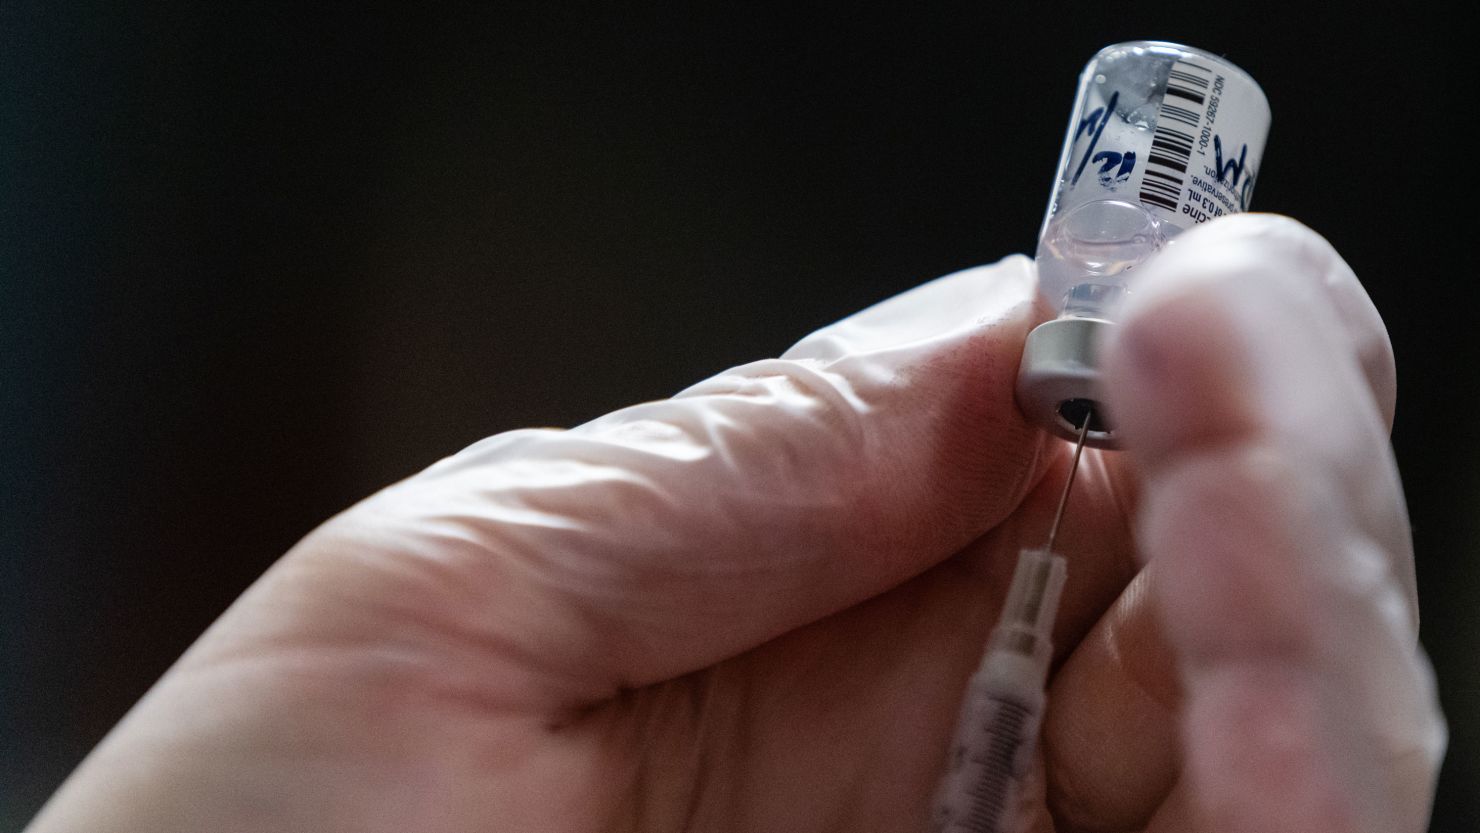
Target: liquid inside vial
<point>1084,251</point>
<point>1097,228</point>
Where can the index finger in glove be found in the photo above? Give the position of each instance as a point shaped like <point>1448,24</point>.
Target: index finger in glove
<point>1274,518</point>
<point>669,535</point>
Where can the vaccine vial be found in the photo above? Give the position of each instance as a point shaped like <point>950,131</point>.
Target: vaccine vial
<point>1163,137</point>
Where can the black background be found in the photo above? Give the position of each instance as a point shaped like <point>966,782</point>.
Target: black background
<point>255,264</point>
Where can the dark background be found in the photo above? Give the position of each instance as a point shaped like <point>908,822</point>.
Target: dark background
<point>256,264</point>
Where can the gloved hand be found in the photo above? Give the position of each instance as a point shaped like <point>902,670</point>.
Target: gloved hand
<point>754,606</point>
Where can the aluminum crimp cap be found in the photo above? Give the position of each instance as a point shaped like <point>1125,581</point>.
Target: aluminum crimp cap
<point>1058,382</point>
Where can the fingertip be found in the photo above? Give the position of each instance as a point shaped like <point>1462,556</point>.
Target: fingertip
<point>1227,248</point>
<point>1248,324</point>
<point>1177,381</point>
<point>1261,267</point>
<point>933,313</point>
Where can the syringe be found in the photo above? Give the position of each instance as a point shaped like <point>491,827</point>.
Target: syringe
<point>998,728</point>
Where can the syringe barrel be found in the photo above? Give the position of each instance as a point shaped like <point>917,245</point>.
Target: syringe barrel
<point>997,730</point>
<point>991,755</point>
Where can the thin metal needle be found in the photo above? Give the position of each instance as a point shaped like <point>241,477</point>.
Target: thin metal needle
<point>1053,531</point>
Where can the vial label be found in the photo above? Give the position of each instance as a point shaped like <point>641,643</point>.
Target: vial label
<point>1205,147</point>
<point>1175,133</point>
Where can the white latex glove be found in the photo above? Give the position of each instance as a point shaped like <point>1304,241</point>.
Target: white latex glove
<point>754,606</point>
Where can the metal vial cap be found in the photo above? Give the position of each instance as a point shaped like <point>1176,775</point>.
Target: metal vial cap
<point>1058,383</point>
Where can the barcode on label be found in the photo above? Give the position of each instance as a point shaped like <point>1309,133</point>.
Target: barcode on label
<point>1176,126</point>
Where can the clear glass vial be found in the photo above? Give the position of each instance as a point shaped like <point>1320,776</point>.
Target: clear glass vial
<point>1163,137</point>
